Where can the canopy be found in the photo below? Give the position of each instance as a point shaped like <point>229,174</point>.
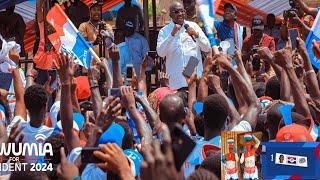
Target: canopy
<point>7,3</point>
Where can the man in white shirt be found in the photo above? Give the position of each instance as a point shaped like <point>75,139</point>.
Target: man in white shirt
<point>34,131</point>
<point>177,44</point>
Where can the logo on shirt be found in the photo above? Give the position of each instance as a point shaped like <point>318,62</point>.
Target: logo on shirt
<point>40,138</point>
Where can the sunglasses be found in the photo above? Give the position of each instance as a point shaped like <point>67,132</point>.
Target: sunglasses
<point>178,11</point>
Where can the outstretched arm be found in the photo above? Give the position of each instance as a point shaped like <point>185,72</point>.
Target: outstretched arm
<point>311,77</point>
<point>128,101</point>
<point>66,113</point>
<point>20,107</point>
<point>309,10</point>
<point>249,96</point>
<point>94,75</point>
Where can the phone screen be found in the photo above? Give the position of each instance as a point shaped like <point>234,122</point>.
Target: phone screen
<point>129,71</point>
<point>192,64</point>
<point>87,155</point>
<point>115,92</point>
<point>182,145</point>
<point>294,34</point>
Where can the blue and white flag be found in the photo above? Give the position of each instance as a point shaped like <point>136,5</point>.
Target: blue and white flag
<point>314,35</point>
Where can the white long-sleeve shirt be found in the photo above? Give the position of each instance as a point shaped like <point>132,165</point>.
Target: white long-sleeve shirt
<point>178,49</point>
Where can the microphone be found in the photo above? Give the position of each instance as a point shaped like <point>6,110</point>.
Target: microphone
<point>186,26</point>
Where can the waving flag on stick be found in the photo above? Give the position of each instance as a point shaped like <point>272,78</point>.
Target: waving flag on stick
<point>68,39</point>
<point>314,35</point>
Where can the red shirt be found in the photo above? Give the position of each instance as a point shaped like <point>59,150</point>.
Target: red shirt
<point>266,41</point>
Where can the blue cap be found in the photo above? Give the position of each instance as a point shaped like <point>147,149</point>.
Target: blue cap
<point>78,123</point>
<point>198,107</point>
<point>114,134</point>
<point>136,158</point>
<point>285,111</point>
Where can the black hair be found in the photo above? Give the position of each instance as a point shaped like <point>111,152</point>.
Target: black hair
<point>259,89</point>
<point>199,123</point>
<point>127,141</point>
<point>172,109</point>
<point>202,174</point>
<point>271,15</point>
<point>273,88</point>
<point>184,96</point>
<point>57,142</point>
<point>35,98</point>
<point>27,174</point>
<point>213,164</point>
<point>215,112</point>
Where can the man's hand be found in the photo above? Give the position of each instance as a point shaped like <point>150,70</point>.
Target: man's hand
<point>98,40</point>
<point>208,64</point>
<point>3,94</point>
<point>223,61</point>
<point>110,111</point>
<point>94,75</point>
<point>64,69</point>
<point>164,79</point>
<point>176,29</point>
<point>30,71</point>
<point>92,133</point>
<point>127,98</point>
<point>159,162</point>
<point>213,82</point>
<point>66,170</point>
<point>265,54</point>
<point>114,53</point>
<point>193,78</point>
<point>114,160</point>
<point>192,32</point>
<point>284,58</point>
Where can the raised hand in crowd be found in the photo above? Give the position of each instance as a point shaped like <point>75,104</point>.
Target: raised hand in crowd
<point>109,112</point>
<point>159,161</point>
<point>151,114</point>
<point>311,77</point>
<point>115,56</point>
<point>164,79</point>
<point>285,60</point>
<point>128,102</point>
<point>192,98</point>
<point>31,75</point>
<point>65,71</point>
<point>66,170</point>
<point>114,161</point>
<point>94,76</point>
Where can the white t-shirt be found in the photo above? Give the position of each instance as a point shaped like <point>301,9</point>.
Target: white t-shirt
<point>242,126</point>
<point>31,134</point>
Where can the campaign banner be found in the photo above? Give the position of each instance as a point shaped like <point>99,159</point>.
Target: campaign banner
<point>285,160</point>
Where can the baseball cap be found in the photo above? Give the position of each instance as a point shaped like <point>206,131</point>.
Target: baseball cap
<point>230,5</point>
<point>114,134</point>
<point>257,23</point>
<point>94,4</point>
<point>135,158</point>
<point>78,123</point>
<point>129,24</point>
<point>293,133</point>
<point>83,87</point>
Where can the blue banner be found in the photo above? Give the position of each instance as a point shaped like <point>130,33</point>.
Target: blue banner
<point>284,160</point>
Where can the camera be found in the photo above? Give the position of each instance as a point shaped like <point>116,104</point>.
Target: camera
<point>106,35</point>
<point>291,13</point>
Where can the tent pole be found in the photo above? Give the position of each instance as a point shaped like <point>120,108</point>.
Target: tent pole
<point>146,19</point>
<point>154,14</point>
